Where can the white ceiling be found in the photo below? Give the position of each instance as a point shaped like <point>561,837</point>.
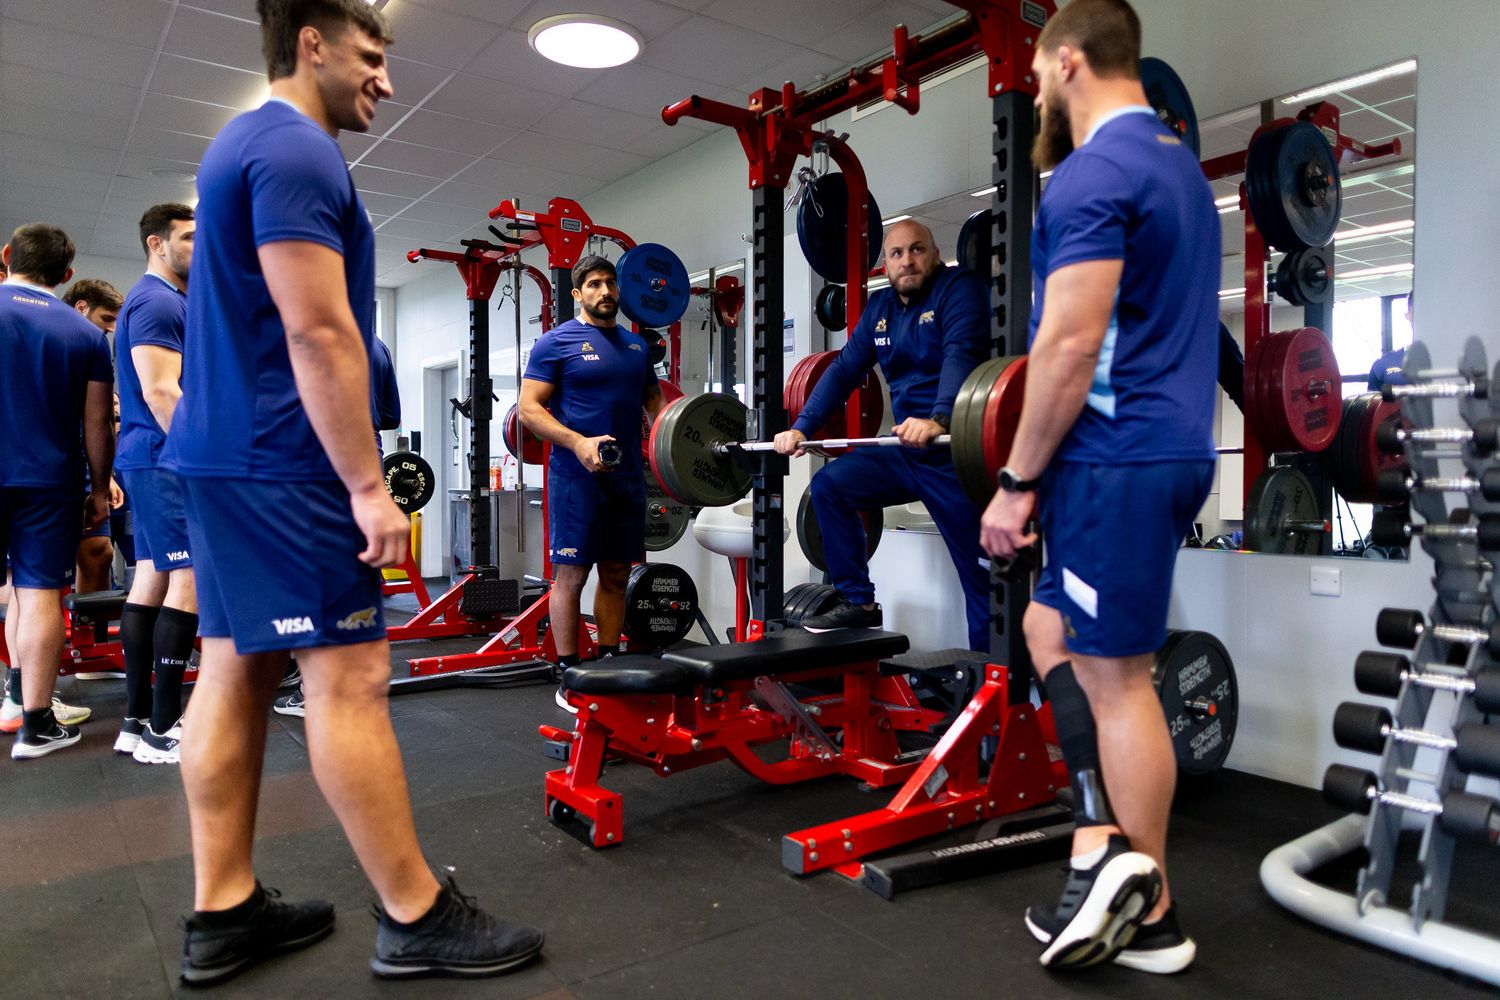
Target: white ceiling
<point>108,107</point>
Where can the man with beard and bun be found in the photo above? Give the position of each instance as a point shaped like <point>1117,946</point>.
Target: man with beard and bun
<point>585,385</point>
<point>1117,433</point>
<point>289,520</point>
<point>927,332</point>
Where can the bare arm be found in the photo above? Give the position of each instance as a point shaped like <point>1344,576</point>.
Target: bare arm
<point>653,402</point>
<point>99,447</point>
<point>160,372</point>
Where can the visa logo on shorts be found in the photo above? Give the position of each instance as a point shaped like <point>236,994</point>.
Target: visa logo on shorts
<point>177,556</point>
<point>292,626</point>
<point>364,618</point>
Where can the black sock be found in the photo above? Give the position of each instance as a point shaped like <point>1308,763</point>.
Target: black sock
<point>1079,741</point>
<point>174,635</point>
<point>215,919</point>
<point>138,644</point>
<point>568,660</point>
<point>608,650</point>
<point>36,721</point>
<point>13,684</point>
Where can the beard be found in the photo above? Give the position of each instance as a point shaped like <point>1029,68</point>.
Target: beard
<point>178,267</point>
<point>1054,138</point>
<point>603,310</point>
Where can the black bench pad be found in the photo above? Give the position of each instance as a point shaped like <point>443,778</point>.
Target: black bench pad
<point>106,604</point>
<point>625,675</point>
<point>786,652</point>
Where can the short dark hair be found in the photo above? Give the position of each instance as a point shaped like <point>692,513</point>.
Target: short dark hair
<point>588,265</point>
<point>43,252</point>
<point>281,21</point>
<point>98,293</point>
<point>1108,32</point>
<point>158,219</point>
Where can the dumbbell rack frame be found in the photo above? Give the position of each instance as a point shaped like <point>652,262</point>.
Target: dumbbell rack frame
<point>1466,597</point>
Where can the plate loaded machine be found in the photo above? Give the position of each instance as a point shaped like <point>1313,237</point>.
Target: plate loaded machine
<point>1441,729</point>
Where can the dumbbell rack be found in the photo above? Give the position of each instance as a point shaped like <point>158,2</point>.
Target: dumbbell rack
<point>1427,743</point>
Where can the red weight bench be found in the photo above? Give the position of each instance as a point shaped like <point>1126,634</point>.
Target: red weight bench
<point>695,707</point>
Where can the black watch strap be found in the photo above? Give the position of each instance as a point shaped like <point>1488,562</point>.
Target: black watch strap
<point>943,420</point>
<point>1010,483</point>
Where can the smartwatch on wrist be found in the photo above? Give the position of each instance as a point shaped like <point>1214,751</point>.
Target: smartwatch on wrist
<point>1011,483</point>
<point>941,419</point>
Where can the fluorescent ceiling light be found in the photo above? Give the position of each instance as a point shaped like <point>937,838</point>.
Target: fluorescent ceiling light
<point>985,193</point>
<point>1376,272</point>
<point>1384,229</point>
<point>894,219</point>
<point>1231,293</point>
<point>587,41</point>
<point>1349,83</point>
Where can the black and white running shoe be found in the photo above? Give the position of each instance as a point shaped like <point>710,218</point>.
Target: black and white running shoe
<point>29,745</point>
<point>1101,907</point>
<point>1158,947</point>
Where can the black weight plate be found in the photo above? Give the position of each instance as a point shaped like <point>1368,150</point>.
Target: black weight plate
<point>804,601</point>
<point>1297,198</point>
<point>789,600</point>
<point>666,519</point>
<point>409,480</point>
<point>831,308</point>
<point>1200,697</point>
<point>661,605</point>
<point>968,430</point>
<point>682,450</point>
<point>656,345</point>
<point>1279,495</point>
<point>1169,97</point>
<point>975,247</point>
<point>823,225</point>
<point>820,599</point>
<point>810,536</point>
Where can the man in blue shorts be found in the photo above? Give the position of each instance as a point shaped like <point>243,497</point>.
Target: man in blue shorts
<point>927,331</point>
<point>1117,433</point>
<point>289,521</point>
<point>584,387</point>
<point>160,617</point>
<point>55,382</point>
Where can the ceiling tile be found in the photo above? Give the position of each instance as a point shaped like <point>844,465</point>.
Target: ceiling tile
<point>599,126</point>
<point>644,90</point>
<point>391,181</point>
<point>29,202</point>
<point>650,18</point>
<point>412,80</point>
<point>43,47</point>
<point>510,58</point>
<point>130,22</point>
<point>451,216</point>
<point>355,144</point>
<point>387,114</point>
<point>26,118</point>
<point>415,159</point>
<point>178,114</point>
<point>466,135</point>
<point>871,33</point>
<point>615,166</point>
<point>715,52</point>
<point>467,193</point>
<point>493,11</point>
<point>502,179</point>
<point>242,9</point>
<point>228,41</point>
<point>795,21</point>
<point>235,88</point>
<point>533,149</point>
<point>62,94</point>
<point>415,232</point>
<point>486,100</point>
<point>436,37</point>
<point>802,69</point>
<point>55,175</point>
<point>61,149</point>
<point>383,204</point>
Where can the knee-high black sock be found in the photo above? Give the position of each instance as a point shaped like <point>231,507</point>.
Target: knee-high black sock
<point>138,643</point>
<point>1079,741</point>
<point>174,644</point>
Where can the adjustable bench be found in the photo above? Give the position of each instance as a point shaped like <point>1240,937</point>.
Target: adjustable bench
<point>695,707</point>
<point>91,643</point>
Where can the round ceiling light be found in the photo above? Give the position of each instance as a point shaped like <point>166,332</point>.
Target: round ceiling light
<point>587,41</point>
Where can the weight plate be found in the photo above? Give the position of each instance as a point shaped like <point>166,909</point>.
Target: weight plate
<point>654,286</point>
<point>669,392</point>
<point>810,536</point>
<point>1371,460</point>
<point>822,598</point>
<point>805,377</point>
<point>1169,97</point>
<point>1296,196</point>
<point>789,600</point>
<point>967,426</point>
<point>729,300</point>
<point>1280,497</point>
<point>533,446</point>
<point>661,604</point>
<point>823,226</point>
<point>831,307</point>
<point>682,453</point>
<point>1338,460</point>
<point>656,345</point>
<point>409,480</point>
<point>1309,386</point>
<point>1002,415</point>
<point>1200,697</point>
<point>666,519</point>
<point>975,250</point>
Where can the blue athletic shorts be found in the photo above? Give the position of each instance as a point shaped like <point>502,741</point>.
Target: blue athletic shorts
<point>161,532</point>
<point>1111,535</point>
<point>594,519</point>
<point>277,565</point>
<point>40,527</point>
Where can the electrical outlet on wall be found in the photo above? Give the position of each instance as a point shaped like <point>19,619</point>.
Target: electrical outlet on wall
<point>1326,581</point>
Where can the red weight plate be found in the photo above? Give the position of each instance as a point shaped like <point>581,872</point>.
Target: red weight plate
<point>656,470</point>
<point>1307,377</point>
<point>794,395</point>
<point>532,450</point>
<point>1255,392</point>
<point>670,392</point>
<point>1272,370</point>
<point>1373,461</point>
<point>1002,415</point>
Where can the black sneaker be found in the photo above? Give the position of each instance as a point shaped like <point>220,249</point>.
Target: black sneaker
<point>211,955</point>
<point>291,704</point>
<point>1160,947</point>
<point>1101,907</point>
<point>292,678</point>
<point>130,735</point>
<point>455,938</point>
<point>843,615</point>
<point>29,745</point>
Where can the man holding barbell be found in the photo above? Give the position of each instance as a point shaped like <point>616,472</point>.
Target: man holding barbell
<point>583,391</point>
<point>1115,445</point>
<point>927,331</point>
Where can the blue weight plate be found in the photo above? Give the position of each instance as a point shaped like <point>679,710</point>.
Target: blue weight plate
<point>1168,95</point>
<point>1293,185</point>
<point>654,286</point>
<point>823,225</point>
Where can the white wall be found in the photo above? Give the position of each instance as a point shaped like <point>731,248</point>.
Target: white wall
<point>1294,652</point>
<point>115,270</point>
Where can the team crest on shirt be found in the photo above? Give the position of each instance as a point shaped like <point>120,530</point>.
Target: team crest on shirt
<point>567,553</point>
<point>587,346</point>
<point>880,326</point>
<point>930,316</point>
<point>1169,140</point>
<point>636,347</point>
<point>588,352</point>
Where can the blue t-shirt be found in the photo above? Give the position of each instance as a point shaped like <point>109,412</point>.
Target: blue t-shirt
<point>271,176</point>
<point>385,397</point>
<point>1388,369</point>
<point>153,314</point>
<point>925,349</point>
<point>48,355</point>
<point>600,377</point>
<point>1134,192</point>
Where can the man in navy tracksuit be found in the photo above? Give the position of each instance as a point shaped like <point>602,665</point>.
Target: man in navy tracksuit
<point>927,332</point>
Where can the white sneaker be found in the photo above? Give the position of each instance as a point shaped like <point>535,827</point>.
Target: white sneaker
<point>154,748</point>
<point>10,716</point>
<point>130,735</point>
<point>100,675</point>
<point>67,715</point>
<point>563,703</point>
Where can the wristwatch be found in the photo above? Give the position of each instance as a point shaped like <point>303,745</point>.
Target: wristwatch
<point>1011,483</point>
<point>941,419</point>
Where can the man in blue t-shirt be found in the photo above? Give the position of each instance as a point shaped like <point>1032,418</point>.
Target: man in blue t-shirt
<point>584,387</point>
<point>289,520</point>
<point>1390,367</point>
<point>1117,433</point>
<point>160,617</point>
<point>55,383</point>
<point>927,331</point>
<point>98,302</point>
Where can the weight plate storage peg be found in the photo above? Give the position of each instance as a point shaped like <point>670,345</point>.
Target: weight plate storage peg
<point>823,227</point>
<point>1195,679</point>
<point>682,450</point>
<point>409,480</point>
<point>666,519</point>
<point>1292,184</point>
<point>1281,514</point>
<point>661,606</point>
<point>654,286</point>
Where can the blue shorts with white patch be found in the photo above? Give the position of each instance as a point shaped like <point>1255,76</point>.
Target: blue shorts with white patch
<point>1112,533</point>
<point>598,518</point>
<point>161,533</point>
<point>277,565</point>
<point>40,527</point>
